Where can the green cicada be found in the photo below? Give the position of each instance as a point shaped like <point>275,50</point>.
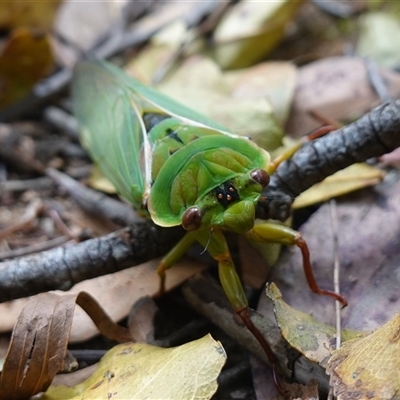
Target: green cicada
<point>180,168</point>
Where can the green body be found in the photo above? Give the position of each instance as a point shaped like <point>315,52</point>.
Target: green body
<point>184,169</point>
<point>181,162</point>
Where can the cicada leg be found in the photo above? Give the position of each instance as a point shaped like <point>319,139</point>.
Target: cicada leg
<point>174,255</point>
<point>218,249</point>
<point>270,232</point>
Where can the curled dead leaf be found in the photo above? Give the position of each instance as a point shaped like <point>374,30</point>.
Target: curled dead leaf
<point>39,341</point>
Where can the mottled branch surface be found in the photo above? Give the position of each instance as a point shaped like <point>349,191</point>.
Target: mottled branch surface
<point>63,267</point>
<point>373,135</point>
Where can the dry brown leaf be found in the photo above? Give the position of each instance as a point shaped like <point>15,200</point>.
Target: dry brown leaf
<point>141,320</point>
<point>265,387</point>
<point>257,258</point>
<point>338,88</point>
<point>39,342</point>
<point>303,392</point>
<point>26,57</point>
<point>392,159</point>
<point>142,371</point>
<point>253,102</point>
<point>368,368</point>
<point>115,292</point>
<point>253,265</point>
<point>82,25</point>
<point>146,64</point>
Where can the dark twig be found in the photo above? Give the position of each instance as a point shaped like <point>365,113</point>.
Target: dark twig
<point>373,135</point>
<point>377,81</point>
<point>60,224</point>
<point>94,202</point>
<point>26,184</point>
<point>63,267</point>
<point>27,220</point>
<point>62,120</point>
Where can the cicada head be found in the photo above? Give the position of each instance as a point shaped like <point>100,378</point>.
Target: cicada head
<point>229,206</point>
<point>213,181</point>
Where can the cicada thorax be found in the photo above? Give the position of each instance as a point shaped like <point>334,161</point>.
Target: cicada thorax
<point>202,177</point>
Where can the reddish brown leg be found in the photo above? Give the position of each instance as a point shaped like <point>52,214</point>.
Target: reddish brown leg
<point>270,232</point>
<point>312,283</point>
<point>274,164</point>
<point>323,119</point>
<point>245,317</point>
<point>322,131</point>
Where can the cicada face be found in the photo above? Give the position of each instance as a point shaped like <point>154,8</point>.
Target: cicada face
<point>230,205</point>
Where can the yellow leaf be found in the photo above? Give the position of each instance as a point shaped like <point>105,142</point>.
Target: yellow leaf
<point>140,371</point>
<point>273,80</point>
<point>98,181</point>
<point>205,88</point>
<point>250,30</point>
<point>311,338</point>
<point>369,367</point>
<point>355,177</point>
<point>376,33</point>
<point>26,57</point>
<point>33,14</point>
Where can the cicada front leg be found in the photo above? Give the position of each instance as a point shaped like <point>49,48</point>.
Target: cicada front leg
<point>218,249</point>
<point>174,255</point>
<point>274,233</point>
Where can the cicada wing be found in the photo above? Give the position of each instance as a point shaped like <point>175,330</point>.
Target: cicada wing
<point>165,104</point>
<point>110,118</point>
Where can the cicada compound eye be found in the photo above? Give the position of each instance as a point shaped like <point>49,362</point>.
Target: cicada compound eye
<point>191,219</point>
<point>260,176</point>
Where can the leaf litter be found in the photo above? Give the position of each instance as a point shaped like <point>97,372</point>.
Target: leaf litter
<point>139,370</point>
<point>39,342</point>
<point>392,297</point>
<point>369,254</point>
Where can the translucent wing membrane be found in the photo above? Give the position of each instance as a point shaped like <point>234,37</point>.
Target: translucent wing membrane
<point>111,128</point>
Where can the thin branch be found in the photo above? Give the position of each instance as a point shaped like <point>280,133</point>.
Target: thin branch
<point>94,202</point>
<point>336,269</point>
